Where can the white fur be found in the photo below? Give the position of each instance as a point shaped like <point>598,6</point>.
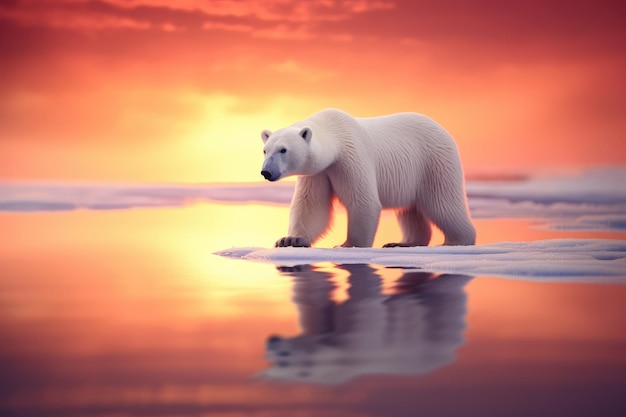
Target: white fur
<point>403,161</point>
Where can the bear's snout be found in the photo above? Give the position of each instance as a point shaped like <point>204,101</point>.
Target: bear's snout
<point>269,176</point>
<point>272,168</point>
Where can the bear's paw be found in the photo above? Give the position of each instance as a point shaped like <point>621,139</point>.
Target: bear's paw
<point>295,241</point>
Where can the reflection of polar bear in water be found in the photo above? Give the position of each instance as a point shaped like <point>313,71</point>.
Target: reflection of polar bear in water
<point>413,331</point>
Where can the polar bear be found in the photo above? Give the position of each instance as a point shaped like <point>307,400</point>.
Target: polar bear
<point>412,328</point>
<point>402,161</point>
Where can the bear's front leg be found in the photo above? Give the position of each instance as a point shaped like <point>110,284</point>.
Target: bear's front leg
<point>362,225</point>
<point>310,211</point>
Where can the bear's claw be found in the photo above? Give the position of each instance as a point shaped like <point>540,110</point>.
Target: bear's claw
<point>295,241</point>
<point>398,245</point>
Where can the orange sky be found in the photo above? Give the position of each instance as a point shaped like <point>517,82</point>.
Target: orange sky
<point>157,90</point>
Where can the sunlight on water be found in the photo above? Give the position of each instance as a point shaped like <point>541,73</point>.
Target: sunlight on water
<point>129,313</point>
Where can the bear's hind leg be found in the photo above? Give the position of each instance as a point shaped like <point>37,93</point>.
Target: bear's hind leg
<point>415,226</point>
<point>452,218</point>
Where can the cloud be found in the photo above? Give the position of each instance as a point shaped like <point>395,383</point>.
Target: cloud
<point>551,26</point>
<point>559,260</point>
<point>148,14</point>
<point>262,19</point>
<point>66,15</point>
<point>229,27</point>
<point>503,30</point>
<point>267,10</point>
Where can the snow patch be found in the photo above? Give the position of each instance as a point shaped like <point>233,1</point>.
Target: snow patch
<point>563,260</point>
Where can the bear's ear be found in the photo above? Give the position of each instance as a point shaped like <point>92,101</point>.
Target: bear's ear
<point>265,135</point>
<point>306,133</point>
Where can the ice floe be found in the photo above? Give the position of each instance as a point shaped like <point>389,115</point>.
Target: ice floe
<point>576,260</point>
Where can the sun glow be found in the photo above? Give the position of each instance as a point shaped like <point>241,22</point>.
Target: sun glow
<point>226,132</point>
<point>116,94</point>
<point>171,238</point>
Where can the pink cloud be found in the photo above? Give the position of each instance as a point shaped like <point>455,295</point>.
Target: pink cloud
<point>229,27</point>
<point>267,10</point>
<point>39,14</point>
<point>68,14</point>
<point>228,15</point>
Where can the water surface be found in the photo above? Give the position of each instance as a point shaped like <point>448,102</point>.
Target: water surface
<point>127,312</point>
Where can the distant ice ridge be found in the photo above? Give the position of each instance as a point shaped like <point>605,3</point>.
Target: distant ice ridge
<point>37,197</point>
<point>562,260</point>
<point>590,200</point>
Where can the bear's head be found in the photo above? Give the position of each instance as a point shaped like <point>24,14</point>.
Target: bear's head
<point>286,152</point>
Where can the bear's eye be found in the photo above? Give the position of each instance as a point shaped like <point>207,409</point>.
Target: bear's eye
<point>264,152</point>
<point>283,150</point>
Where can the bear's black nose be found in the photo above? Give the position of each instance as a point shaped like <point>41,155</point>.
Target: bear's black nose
<point>266,175</point>
<point>273,342</point>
